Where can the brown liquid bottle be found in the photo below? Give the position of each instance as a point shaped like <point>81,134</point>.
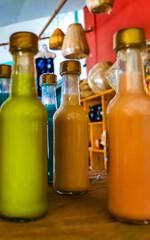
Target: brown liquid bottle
<point>129,133</point>
<point>70,135</point>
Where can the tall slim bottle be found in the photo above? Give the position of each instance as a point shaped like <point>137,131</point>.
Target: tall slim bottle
<point>48,82</point>
<point>70,135</point>
<point>129,132</point>
<point>23,148</point>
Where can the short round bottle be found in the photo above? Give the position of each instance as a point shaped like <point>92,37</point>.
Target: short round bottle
<point>99,113</point>
<point>92,113</point>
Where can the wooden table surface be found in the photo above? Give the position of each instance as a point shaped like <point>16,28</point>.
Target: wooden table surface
<point>76,217</point>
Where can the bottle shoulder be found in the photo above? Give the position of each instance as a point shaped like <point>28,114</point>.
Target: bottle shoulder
<point>70,113</point>
<point>130,103</point>
<point>24,105</point>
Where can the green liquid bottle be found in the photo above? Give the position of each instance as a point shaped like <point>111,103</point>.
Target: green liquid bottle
<point>23,148</point>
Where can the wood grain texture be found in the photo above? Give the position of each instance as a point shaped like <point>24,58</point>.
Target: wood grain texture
<point>76,217</point>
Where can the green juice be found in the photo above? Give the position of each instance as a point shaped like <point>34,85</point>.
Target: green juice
<point>23,152</point>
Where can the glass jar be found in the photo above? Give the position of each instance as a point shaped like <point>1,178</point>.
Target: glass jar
<point>23,152</point>
<point>128,132</point>
<point>5,81</point>
<point>48,83</point>
<point>71,175</point>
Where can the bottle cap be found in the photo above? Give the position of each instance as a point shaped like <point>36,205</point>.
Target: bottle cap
<point>70,66</point>
<point>48,78</point>
<point>5,70</point>
<point>23,41</point>
<point>129,37</point>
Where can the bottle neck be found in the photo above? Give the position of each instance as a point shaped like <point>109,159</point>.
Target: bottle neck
<point>130,71</point>
<point>49,94</point>
<point>23,74</point>
<point>70,89</point>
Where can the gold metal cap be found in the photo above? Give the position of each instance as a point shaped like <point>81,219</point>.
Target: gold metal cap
<point>129,37</point>
<point>23,41</point>
<point>5,70</point>
<point>71,66</point>
<point>48,78</point>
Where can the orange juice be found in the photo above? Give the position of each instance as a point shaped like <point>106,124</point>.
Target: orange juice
<point>129,151</point>
<point>70,136</point>
<point>71,148</point>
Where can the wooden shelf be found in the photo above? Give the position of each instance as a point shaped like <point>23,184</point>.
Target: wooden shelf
<point>95,123</point>
<point>98,95</point>
<point>96,150</point>
<point>96,129</point>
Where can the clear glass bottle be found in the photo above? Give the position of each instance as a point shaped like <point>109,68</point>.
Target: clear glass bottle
<point>128,132</point>
<point>71,174</point>
<point>44,62</point>
<point>23,148</point>
<point>5,82</point>
<point>48,82</point>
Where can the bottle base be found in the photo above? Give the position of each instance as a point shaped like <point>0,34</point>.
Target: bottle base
<point>21,220</point>
<point>129,221</point>
<point>69,193</point>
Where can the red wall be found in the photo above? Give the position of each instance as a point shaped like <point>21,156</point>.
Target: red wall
<point>125,13</point>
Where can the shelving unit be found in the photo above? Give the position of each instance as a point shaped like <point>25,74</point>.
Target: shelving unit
<point>98,157</point>
<point>95,123</point>
<point>96,150</point>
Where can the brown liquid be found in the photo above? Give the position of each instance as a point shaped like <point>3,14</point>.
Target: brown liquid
<point>71,147</point>
<point>129,150</point>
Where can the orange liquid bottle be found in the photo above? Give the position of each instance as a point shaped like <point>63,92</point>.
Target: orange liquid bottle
<point>129,133</point>
<point>70,136</point>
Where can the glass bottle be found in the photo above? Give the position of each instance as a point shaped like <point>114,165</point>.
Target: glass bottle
<point>99,113</point>
<point>44,62</point>
<point>5,81</point>
<point>70,135</point>
<point>48,83</point>
<point>128,132</point>
<point>23,148</point>
<point>91,113</point>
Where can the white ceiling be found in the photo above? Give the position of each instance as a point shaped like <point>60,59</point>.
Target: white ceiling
<point>16,11</point>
